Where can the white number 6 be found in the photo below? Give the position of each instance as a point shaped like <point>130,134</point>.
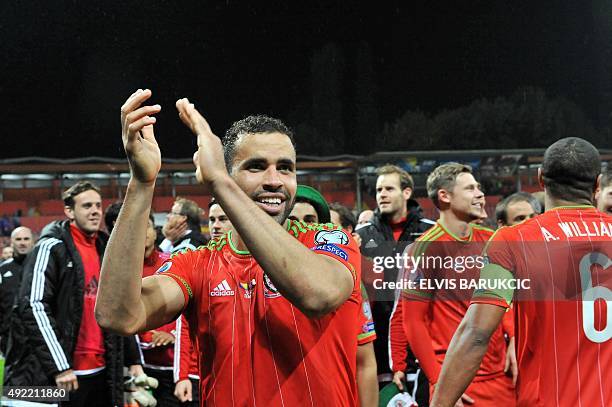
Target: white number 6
<point>590,294</point>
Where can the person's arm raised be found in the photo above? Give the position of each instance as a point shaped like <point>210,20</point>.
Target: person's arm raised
<point>315,284</point>
<point>126,303</point>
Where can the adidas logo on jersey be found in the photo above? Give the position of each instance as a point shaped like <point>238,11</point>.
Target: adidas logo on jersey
<point>222,290</point>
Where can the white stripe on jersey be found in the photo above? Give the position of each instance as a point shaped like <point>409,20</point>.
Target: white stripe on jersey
<point>297,331</point>
<point>176,362</point>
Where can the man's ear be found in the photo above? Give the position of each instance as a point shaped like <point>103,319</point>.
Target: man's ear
<point>540,178</point>
<point>69,212</point>
<point>597,188</point>
<point>407,193</point>
<point>443,196</point>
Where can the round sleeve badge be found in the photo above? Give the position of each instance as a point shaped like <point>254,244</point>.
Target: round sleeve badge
<point>331,237</point>
<point>165,267</point>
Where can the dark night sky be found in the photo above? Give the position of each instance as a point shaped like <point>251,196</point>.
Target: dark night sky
<point>67,66</point>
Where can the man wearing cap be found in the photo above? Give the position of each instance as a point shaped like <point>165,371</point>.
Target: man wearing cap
<point>310,206</point>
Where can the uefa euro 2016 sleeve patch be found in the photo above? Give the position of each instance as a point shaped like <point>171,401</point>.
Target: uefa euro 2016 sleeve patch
<point>333,249</point>
<point>324,237</point>
<point>164,267</point>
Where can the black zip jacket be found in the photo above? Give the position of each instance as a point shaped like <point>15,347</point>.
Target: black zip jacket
<point>10,278</point>
<point>50,306</point>
<point>377,241</point>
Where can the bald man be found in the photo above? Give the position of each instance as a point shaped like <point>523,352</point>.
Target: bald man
<point>364,217</point>
<point>10,276</point>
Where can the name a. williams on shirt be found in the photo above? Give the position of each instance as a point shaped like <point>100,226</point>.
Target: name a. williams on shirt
<point>580,229</point>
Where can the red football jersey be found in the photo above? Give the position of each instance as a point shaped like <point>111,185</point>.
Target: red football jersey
<point>563,318</point>
<point>438,280</point>
<point>258,349</point>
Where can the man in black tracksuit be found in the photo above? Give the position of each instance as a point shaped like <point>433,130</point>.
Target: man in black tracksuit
<point>10,278</point>
<point>396,223</point>
<point>58,342</point>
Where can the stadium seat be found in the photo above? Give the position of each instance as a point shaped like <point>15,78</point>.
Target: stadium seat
<point>11,207</point>
<point>162,203</point>
<point>51,207</point>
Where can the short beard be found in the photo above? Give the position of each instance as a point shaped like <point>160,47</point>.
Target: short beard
<point>281,217</point>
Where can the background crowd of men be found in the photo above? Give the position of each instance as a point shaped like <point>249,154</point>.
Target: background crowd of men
<point>48,290</point>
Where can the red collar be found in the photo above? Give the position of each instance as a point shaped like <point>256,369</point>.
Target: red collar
<point>80,238</point>
<point>152,259</point>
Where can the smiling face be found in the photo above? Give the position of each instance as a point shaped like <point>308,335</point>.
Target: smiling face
<point>87,211</point>
<point>264,168</point>
<point>465,199</point>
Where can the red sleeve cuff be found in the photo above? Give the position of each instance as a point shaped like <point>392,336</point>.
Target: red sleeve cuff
<point>183,285</point>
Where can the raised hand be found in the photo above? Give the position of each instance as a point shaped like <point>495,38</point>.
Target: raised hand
<point>138,138</point>
<point>208,159</point>
<point>175,228</point>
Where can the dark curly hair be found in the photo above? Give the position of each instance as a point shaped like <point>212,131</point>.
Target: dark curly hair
<point>256,124</point>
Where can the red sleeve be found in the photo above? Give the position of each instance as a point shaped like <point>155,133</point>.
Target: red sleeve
<point>419,339</point>
<point>333,243</point>
<point>498,251</point>
<point>508,323</point>
<point>416,275</point>
<point>500,265</point>
<point>180,267</point>
<point>184,352</point>
<point>398,342</point>
<point>366,332</point>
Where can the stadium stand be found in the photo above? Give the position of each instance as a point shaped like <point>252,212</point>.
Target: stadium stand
<point>33,186</point>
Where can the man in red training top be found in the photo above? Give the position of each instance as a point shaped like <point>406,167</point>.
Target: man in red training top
<point>563,337</point>
<point>274,305</point>
<point>433,307</point>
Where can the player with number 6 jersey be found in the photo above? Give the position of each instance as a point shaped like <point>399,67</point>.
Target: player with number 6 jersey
<point>563,319</point>
<point>563,345</point>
